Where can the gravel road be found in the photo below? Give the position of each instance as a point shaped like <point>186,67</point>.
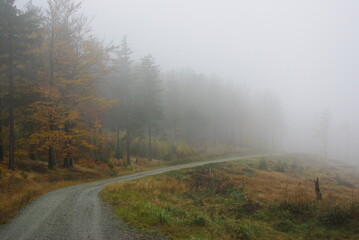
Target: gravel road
<point>78,213</point>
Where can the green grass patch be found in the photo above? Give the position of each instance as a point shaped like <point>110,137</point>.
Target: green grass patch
<point>220,201</point>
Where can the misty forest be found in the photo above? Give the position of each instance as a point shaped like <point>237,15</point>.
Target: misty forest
<point>249,128</point>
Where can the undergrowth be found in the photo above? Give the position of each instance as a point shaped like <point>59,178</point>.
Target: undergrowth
<point>263,198</point>
<point>32,179</point>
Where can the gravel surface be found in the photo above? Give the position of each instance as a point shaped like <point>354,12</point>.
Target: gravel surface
<point>78,213</point>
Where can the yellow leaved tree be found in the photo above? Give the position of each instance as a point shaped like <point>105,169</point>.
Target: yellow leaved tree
<point>73,63</point>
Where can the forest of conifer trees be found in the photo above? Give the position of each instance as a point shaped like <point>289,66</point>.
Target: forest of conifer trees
<point>65,95</point>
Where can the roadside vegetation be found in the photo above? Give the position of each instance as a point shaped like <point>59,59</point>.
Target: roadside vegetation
<point>32,179</point>
<point>264,198</point>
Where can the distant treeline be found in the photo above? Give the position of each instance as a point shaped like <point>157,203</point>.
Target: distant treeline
<point>65,95</point>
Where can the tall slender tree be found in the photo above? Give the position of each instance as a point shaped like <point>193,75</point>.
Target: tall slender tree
<point>150,89</point>
<point>73,61</point>
<point>321,131</point>
<point>1,132</point>
<point>18,32</point>
<point>10,13</point>
<point>126,84</point>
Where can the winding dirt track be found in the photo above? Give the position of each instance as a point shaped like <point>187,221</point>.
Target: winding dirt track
<point>78,213</point>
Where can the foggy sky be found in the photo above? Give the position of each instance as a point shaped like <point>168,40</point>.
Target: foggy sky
<point>305,51</point>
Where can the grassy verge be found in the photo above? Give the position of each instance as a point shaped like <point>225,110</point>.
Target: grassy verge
<point>262,198</point>
<point>32,179</point>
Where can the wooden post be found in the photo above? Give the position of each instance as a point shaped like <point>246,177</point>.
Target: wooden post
<point>317,190</point>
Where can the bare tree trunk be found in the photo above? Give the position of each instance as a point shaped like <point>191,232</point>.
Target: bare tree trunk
<point>272,140</point>
<point>67,147</point>
<point>95,144</point>
<point>118,155</point>
<point>66,162</point>
<point>32,154</point>
<point>128,146</point>
<point>128,138</point>
<point>100,141</point>
<point>51,159</point>
<point>347,145</point>
<point>68,159</point>
<point>149,142</point>
<point>326,147</point>
<point>11,101</point>
<point>1,134</point>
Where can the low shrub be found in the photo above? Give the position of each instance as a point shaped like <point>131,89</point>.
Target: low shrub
<point>245,231</point>
<point>110,165</point>
<point>296,208</point>
<point>284,225</point>
<point>199,220</point>
<point>280,166</point>
<point>263,164</point>
<point>334,215</point>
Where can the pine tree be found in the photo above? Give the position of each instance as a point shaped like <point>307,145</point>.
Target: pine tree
<point>125,92</point>
<point>19,36</point>
<point>150,89</point>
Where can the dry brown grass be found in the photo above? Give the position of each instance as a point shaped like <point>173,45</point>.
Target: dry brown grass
<point>240,200</point>
<point>337,181</point>
<point>269,185</point>
<point>32,179</point>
